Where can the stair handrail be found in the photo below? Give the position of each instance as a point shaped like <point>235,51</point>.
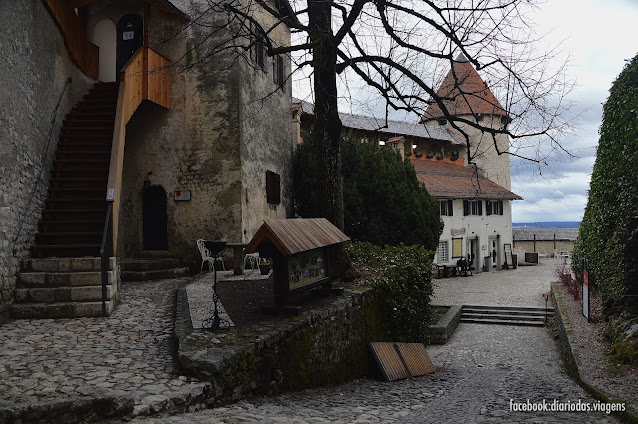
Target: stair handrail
<point>38,179</point>
<point>143,77</point>
<point>106,250</point>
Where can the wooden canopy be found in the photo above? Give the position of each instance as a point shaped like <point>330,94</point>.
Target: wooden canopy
<point>292,236</point>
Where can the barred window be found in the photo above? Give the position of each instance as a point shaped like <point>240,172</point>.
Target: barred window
<point>442,252</point>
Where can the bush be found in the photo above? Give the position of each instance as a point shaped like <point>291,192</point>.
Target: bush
<point>403,276</point>
<point>564,275</point>
<point>608,235</point>
<point>384,203</point>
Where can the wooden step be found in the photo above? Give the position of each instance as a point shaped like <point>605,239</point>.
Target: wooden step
<point>68,237</point>
<point>70,225</point>
<point>77,192</point>
<point>73,181</point>
<point>73,214</point>
<point>61,251</point>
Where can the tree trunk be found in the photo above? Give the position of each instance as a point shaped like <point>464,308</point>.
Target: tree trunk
<point>326,128</point>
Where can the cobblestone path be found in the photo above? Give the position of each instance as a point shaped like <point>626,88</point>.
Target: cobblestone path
<point>128,355</point>
<point>480,369</point>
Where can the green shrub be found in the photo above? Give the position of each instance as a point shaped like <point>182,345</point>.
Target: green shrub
<point>608,235</point>
<point>403,276</point>
<point>384,203</point>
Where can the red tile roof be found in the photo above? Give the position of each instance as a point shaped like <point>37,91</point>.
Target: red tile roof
<point>466,94</point>
<point>446,180</point>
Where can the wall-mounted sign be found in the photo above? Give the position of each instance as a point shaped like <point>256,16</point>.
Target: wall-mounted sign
<point>110,194</point>
<point>182,195</point>
<point>128,35</point>
<point>484,247</point>
<point>458,231</point>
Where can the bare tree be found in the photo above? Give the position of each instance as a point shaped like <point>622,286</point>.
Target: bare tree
<point>400,49</point>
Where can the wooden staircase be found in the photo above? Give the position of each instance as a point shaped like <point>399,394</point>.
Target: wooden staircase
<point>73,217</point>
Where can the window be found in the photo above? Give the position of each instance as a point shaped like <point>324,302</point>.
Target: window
<point>258,46</point>
<point>446,208</point>
<point>273,191</point>
<point>457,247</point>
<point>472,207</point>
<point>279,71</point>
<point>442,252</point>
<point>494,207</point>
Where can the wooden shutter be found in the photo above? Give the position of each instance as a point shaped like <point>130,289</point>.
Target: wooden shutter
<point>466,207</point>
<point>500,207</point>
<point>480,207</point>
<point>253,42</point>
<point>275,70</point>
<point>488,207</point>
<point>450,211</point>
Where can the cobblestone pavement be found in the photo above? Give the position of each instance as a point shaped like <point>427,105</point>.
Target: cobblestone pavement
<point>480,369</point>
<point>523,286</point>
<point>127,355</point>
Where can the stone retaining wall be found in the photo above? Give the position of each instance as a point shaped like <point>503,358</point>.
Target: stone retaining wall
<point>443,330</point>
<point>572,359</point>
<point>323,347</point>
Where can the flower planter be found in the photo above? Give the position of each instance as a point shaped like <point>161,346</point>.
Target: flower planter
<point>264,269</point>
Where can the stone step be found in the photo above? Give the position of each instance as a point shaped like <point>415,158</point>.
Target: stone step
<point>60,310</point>
<point>488,312</point>
<point>148,264</point>
<point>64,294</point>
<point>42,280</point>
<point>159,274</point>
<point>502,322</point>
<point>65,264</point>
<point>506,308</point>
<point>504,317</point>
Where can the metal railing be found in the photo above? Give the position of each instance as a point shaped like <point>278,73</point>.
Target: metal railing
<point>106,250</point>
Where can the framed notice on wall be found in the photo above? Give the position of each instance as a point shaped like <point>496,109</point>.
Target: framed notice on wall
<point>508,253</point>
<point>306,268</point>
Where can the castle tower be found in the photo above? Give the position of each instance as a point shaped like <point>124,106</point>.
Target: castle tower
<point>466,95</point>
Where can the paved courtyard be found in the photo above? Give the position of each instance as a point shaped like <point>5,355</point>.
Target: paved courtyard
<point>479,371</point>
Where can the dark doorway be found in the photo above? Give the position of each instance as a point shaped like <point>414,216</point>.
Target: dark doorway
<point>154,218</point>
<point>130,37</point>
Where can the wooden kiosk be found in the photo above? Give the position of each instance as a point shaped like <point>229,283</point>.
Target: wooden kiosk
<point>300,251</point>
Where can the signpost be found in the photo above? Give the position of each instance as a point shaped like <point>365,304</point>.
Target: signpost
<point>586,290</point>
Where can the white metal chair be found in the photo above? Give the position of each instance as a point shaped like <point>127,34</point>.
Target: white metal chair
<point>251,259</point>
<point>206,258</point>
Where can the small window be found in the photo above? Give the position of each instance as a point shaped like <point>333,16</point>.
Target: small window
<point>472,207</point>
<point>446,208</point>
<point>442,252</point>
<point>494,207</point>
<point>273,188</point>
<point>258,46</point>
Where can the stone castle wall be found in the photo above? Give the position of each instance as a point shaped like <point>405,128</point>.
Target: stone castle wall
<point>35,65</point>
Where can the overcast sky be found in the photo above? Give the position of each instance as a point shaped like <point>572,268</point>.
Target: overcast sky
<point>600,36</point>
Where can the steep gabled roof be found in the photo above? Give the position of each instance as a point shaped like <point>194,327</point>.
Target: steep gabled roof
<point>465,93</point>
<point>393,128</point>
<point>445,180</point>
<point>292,236</point>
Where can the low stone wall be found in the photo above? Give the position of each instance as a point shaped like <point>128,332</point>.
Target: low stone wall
<point>572,359</point>
<point>323,347</point>
<point>441,332</point>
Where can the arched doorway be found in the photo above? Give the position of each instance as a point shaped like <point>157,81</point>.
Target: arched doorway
<point>104,36</point>
<point>154,218</point>
<point>130,37</point>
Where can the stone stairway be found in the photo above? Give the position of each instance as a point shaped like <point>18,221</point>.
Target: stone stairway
<point>73,217</point>
<point>152,268</point>
<point>64,288</point>
<point>505,315</point>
